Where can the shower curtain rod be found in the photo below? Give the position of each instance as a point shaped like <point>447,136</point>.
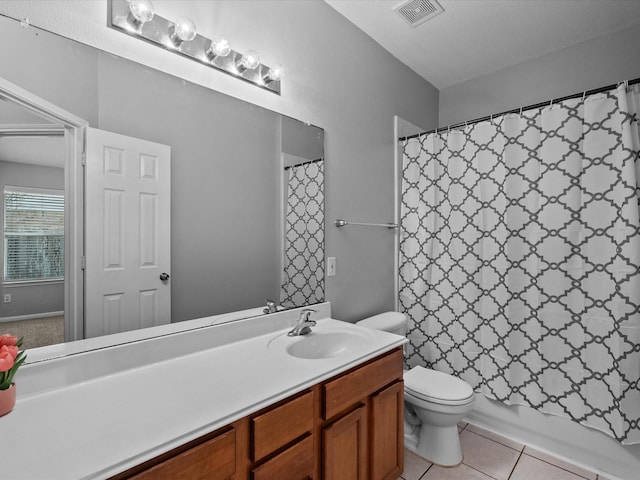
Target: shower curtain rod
<point>518,110</point>
<point>303,163</point>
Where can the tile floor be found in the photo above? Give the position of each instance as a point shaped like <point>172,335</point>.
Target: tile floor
<point>488,456</point>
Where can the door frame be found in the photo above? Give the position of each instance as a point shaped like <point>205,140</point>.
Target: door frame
<point>74,129</point>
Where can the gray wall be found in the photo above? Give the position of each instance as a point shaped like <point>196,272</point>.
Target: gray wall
<point>30,299</point>
<point>59,72</point>
<point>365,88</point>
<point>596,63</point>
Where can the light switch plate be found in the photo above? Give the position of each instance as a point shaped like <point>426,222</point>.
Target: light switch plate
<point>331,266</point>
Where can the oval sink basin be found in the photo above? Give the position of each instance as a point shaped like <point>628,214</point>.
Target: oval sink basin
<point>322,343</point>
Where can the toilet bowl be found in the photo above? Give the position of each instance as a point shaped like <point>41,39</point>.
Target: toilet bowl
<point>434,403</point>
<point>439,401</point>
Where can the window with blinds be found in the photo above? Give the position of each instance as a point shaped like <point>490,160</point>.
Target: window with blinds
<point>33,234</point>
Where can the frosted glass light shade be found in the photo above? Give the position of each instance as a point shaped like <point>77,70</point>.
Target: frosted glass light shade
<point>249,60</point>
<point>184,30</point>
<point>141,10</point>
<point>275,73</point>
<point>219,47</point>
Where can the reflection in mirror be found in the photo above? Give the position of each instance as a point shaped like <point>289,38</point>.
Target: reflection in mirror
<point>232,168</point>
<point>32,158</point>
<point>303,272</point>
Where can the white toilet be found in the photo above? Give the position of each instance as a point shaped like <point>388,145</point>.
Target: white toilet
<point>434,402</point>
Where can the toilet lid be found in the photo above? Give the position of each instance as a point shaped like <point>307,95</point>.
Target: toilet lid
<point>436,386</point>
<point>387,321</point>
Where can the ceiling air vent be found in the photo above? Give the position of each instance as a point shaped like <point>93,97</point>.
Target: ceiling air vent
<point>416,12</point>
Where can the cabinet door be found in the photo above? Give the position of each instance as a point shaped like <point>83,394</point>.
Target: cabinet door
<point>344,447</point>
<point>386,433</point>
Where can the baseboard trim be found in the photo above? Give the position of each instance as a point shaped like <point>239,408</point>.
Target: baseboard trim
<point>31,316</point>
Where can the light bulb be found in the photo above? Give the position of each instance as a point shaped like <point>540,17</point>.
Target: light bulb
<point>219,47</point>
<point>141,11</point>
<point>274,74</point>
<point>248,61</point>
<point>183,30</point>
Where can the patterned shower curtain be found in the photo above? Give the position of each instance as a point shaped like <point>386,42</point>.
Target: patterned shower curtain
<point>303,273</point>
<point>520,258</point>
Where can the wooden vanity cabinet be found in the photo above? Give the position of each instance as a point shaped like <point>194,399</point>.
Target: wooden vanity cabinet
<point>294,463</point>
<point>280,425</point>
<point>345,446</point>
<point>362,435</point>
<point>212,457</point>
<point>346,428</point>
<point>281,440</point>
<point>387,432</point>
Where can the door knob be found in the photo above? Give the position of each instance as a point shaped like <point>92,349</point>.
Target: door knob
<point>164,277</point>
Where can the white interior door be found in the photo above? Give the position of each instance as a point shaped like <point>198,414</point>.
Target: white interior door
<point>128,233</point>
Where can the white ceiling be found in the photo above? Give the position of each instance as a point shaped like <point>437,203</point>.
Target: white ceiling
<point>472,38</point>
<point>42,151</point>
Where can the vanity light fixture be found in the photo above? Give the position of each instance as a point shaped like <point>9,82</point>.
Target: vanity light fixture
<point>140,12</point>
<point>183,30</point>
<point>248,61</point>
<point>218,47</point>
<point>274,74</point>
<point>138,19</point>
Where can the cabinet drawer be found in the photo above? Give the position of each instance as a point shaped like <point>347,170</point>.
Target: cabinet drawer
<point>214,459</point>
<point>295,463</point>
<point>346,390</point>
<point>281,425</point>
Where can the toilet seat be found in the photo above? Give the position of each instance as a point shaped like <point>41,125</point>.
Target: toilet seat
<point>437,387</point>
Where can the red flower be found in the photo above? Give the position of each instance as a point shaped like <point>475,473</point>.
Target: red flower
<point>8,340</point>
<point>6,360</point>
<point>11,357</point>
<point>12,349</point>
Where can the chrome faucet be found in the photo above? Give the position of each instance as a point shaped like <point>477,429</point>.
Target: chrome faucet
<point>271,307</point>
<point>304,324</point>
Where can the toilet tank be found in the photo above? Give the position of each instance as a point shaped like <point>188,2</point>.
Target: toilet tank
<point>392,322</point>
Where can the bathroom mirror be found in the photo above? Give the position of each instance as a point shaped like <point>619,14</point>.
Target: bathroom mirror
<point>231,168</point>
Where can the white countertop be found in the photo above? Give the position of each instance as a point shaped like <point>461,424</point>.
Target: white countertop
<point>98,420</point>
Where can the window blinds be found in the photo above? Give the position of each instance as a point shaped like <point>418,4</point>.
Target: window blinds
<point>33,234</point>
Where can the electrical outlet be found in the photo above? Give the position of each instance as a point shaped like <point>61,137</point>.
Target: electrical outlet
<point>7,298</point>
<point>331,266</point>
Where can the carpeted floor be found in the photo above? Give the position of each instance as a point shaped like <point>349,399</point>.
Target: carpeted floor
<point>37,332</point>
